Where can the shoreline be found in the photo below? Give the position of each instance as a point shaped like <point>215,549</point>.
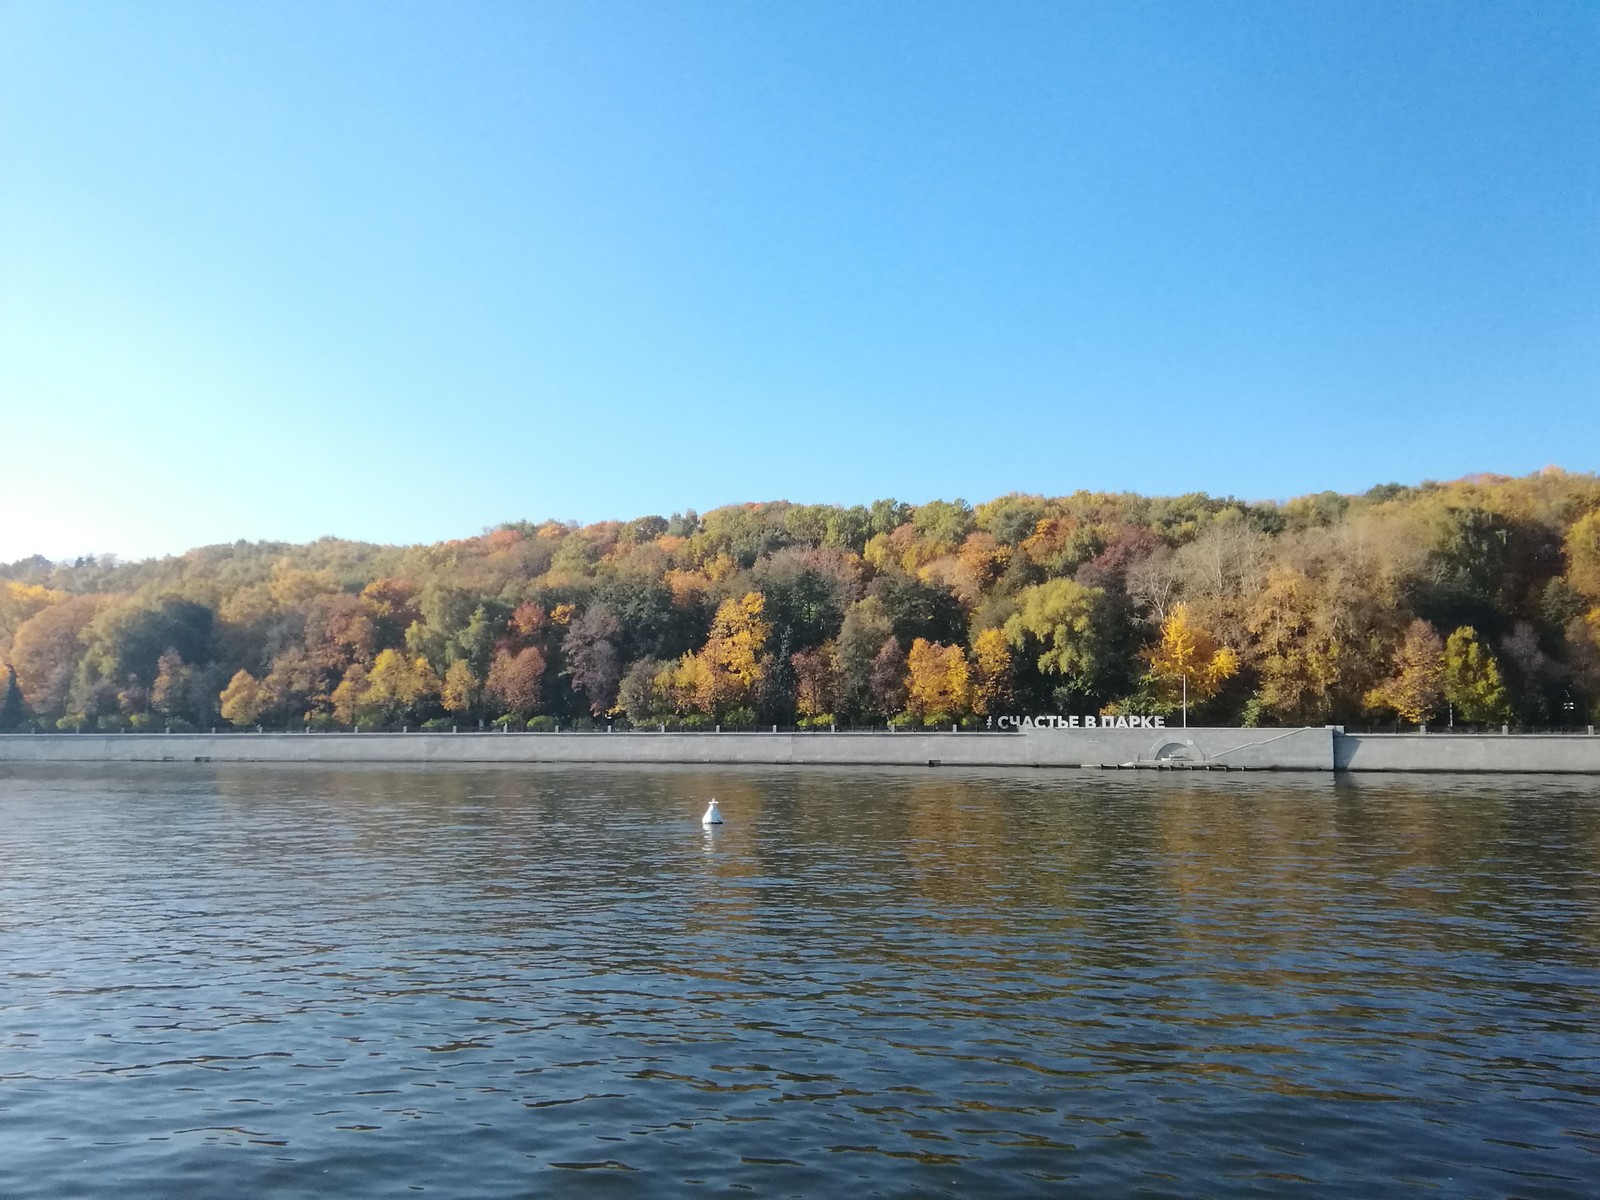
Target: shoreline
<point>1320,749</point>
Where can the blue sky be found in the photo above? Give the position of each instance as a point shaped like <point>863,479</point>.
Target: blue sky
<point>403,271</point>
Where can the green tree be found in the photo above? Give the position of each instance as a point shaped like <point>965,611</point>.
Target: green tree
<point>885,516</point>
<point>1011,519</point>
<point>1472,680</point>
<point>807,524</point>
<point>649,624</point>
<point>1060,627</point>
<point>849,528</point>
<point>128,638</point>
<point>1481,565</point>
<point>637,693</point>
<point>943,523</point>
<point>476,640</point>
<point>919,609</point>
<point>862,636</point>
<point>12,711</point>
<point>806,593</point>
<point>445,608</point>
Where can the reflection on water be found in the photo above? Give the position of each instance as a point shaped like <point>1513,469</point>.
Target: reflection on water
<point>298,981</point>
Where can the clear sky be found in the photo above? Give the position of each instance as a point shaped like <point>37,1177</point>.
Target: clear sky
<point>400,271</point>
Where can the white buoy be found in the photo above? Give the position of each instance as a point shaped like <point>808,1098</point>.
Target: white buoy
<point>713,815</point>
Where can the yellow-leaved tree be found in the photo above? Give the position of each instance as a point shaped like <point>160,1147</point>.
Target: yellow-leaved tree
<point>1582,545</point>
<point>1187,651</point>
<point>729,667</point>
<point>461,688</point>
<point>241,701</point>
<point>1300,651</point>
<point>739,636</point>
<point>18,603</point>
<point>396,686</point>
<point>688,685</point>
<point>347,695</point>
<point>992,687</point>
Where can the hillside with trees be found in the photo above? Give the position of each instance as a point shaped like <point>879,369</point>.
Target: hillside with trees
<point>1476,601</point>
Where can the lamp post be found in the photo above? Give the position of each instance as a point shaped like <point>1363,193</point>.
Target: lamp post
<point>1186,700</point>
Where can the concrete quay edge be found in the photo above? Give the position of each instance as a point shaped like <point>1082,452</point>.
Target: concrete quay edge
<point>1326,749</point>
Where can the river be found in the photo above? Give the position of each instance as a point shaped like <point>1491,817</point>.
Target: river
<point>486,982</point>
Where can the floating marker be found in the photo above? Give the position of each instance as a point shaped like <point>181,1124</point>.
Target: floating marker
<point>713,815</point>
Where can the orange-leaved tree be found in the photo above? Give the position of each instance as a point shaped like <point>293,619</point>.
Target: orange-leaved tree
<point>1416,689</point>
<point>814,675</point>
<point>937,687</point>
<point>514,681</point>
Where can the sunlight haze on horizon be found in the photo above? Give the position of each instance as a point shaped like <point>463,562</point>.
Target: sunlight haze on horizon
<point>401,272</point>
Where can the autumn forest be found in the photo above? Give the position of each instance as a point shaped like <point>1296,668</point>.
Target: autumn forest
<point>1475,602</point>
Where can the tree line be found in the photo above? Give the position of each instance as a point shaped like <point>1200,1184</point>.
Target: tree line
<point>1476,601</point>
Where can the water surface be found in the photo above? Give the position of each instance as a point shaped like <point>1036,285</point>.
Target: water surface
<point>299,981</point>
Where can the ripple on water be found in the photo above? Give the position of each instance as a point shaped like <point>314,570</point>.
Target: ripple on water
<point>484,982</point>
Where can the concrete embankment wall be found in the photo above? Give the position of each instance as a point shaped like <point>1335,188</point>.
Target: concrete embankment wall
<point>1533,753</point>
<point>1324,749</point>
<point>1293,749</point>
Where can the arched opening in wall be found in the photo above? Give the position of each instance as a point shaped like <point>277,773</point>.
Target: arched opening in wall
<point>1176,752</point>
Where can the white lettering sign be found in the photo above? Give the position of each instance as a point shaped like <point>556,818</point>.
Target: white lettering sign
<point>1076,721</point>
